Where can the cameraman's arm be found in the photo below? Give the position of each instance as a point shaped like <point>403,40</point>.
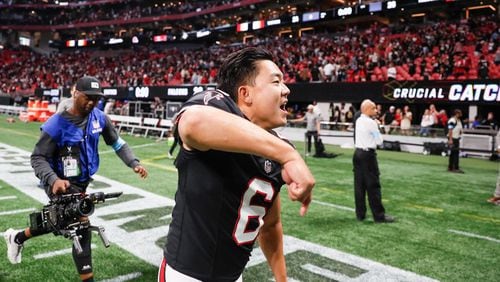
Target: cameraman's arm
<point>45,149</point>
<point>121,148</point>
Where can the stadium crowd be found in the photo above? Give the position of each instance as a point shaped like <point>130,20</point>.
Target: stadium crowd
<point>467,49</point>
<point>101,11</point>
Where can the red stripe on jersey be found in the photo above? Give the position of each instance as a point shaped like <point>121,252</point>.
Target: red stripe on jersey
<point>161,275</point>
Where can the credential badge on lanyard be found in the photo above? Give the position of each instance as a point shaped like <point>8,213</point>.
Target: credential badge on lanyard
<point>70,164</point>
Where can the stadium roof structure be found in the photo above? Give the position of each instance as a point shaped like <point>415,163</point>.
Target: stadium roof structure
<point>113,23</point>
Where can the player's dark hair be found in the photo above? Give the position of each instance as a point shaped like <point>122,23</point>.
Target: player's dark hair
<point>240,68</point>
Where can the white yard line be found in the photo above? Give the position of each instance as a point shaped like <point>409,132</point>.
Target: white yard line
<point>57,253</point>
<point>334,206</point>
<point>125,277</point>
<point>17,211</point>
<point>325,272</point>
<point>468,234</point>
<point>8,198</point>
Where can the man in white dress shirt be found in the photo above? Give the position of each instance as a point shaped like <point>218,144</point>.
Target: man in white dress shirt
<point>366,172</point>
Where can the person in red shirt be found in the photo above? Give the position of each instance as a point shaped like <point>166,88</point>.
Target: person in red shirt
<point>443,121</point>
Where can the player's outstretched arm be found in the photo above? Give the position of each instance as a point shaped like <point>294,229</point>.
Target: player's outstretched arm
<point>204,128</point>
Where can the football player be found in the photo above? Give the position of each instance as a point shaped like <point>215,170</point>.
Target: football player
<point>231,167</point>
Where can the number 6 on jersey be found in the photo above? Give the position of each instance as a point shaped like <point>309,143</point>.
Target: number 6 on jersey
<point>249,211</point>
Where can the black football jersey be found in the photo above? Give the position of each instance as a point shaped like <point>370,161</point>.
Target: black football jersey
<point>220,204</point>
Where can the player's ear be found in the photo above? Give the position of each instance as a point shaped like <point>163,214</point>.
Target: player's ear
<point>244,94</point>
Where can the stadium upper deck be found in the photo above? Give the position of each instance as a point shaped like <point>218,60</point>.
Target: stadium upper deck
<point>446,42</point>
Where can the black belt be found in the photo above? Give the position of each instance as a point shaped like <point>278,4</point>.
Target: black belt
<point>366,149</point>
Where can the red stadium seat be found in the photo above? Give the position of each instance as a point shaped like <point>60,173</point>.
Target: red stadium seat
<point>435,76</point>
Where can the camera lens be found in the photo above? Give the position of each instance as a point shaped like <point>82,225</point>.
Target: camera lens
<point>83,207</point>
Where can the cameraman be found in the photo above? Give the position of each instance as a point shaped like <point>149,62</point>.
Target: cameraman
<point>66,156</point>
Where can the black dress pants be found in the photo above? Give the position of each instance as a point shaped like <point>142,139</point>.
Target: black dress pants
<point>310,134</point>
<point>366,181</point>
<point>454,155</point>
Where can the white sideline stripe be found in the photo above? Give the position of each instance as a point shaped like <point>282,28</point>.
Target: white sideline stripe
<point>125,277</point>
<point>473,235</point>
<point>168,216</point>
<point>325,272</point>
<point>333,206</point>
<point>8,198</point>
<point>17,211</point>
<point>131,147</point>
<point>57,253</point>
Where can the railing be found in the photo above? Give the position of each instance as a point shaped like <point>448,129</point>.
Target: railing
<point>140,125</point>
<point>414,130</point>
<point>11,110</point>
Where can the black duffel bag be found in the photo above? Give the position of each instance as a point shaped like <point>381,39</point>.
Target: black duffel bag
<point>435,148</point>
<point>391,146</point>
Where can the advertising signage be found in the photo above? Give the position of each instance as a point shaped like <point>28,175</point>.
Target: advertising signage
<point>140,93</point>
<point>472,92</point>
<point>469,92</point>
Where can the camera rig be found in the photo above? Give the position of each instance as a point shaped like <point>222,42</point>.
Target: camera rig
<point>66,214</point>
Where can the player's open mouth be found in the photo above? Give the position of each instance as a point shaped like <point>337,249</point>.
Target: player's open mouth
<point>283,106</point>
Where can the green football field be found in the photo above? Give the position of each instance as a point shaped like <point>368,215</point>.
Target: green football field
<point>445,229</point>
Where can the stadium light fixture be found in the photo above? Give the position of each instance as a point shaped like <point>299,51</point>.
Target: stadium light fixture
<point>467,11</point>
<point>482,7</point>
<point>202,33</point>
<point>246,38</point>
<point>304,30</point>
<point>283,32</point>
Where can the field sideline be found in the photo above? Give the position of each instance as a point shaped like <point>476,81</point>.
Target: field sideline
<point>445,230</point>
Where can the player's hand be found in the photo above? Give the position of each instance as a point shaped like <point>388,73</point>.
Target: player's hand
<point>60,186</point>
<point>141,171</point>
<point>300,182</point>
